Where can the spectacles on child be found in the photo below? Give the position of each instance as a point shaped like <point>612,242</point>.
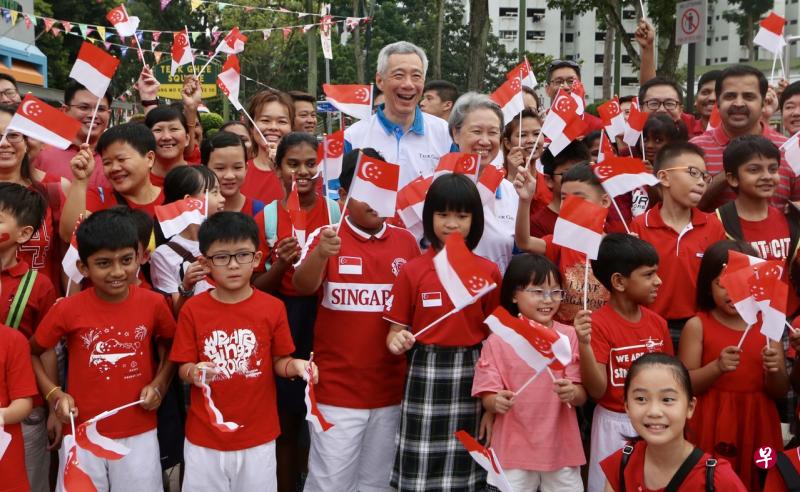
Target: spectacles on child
<point>541,294</point>
<point>224,259</point>
<point>693,172</point>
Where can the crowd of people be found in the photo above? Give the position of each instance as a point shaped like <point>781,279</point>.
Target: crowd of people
<point>211,334</point>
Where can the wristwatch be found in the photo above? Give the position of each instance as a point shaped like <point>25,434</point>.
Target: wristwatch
<point>185,293</point>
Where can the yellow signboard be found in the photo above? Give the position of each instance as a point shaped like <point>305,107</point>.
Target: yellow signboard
<point>171,85</point>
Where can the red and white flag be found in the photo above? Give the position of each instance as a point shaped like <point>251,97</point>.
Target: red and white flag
<point>579,226</point>
<point>537,345</point>
<point>122,22</point>
<point>351,99</point>
<point>5,440</point>
<point>606,149</point>
<point>376,184</point>
<point>176,216</point>
<point>313,414</point>
<point>461,276</point>
<point>75,479</point>
<point>557,126</point>
<point>509,97</point>
<point>578,93</point>
<point>88,437</point>
<point>40,121</point>
<point>458,163</point>
<point>489,181</point>
<point>330,154</point>
<point>70,262</point>
<point>410,201</point>
<point>487,459</point>
<point>635,125</point>
<point>619,175</point>
<point>715,120</point>
<point>770,34</point>
<point>94,69</point>
<point>297,216</point>
<point>613,117</point>
<point>574,129</point>
<point>213,412</point>
<point>232,43</point>
<point>181,51</point>
<point>791,152</point>
<point>228,81</point>
<point>735,279</point>
<point>524,73</point>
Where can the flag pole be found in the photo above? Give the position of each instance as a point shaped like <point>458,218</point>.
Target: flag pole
<point>616,207</point>
<point>136,39</point>
<point>553,377</point>
<point>325,172</point>
<point>189,45</point>
<point>784,75</point>
<point>533,151</point>
<point>741,340</point>
<point>109,413</point>
<point>250,119</point>
<point>791,328</point>
<point>207,63</point>
<point>586,285</point>
<point>528,382</point>
<point>772,73</point>
<point>91,123</point>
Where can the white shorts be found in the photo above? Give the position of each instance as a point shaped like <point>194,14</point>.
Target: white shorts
<point>37,456</point>
<point>567,478</point>
<point>138,471</point>
<point>245,470</point>
<point>607,430</point>
<point>357,453</point>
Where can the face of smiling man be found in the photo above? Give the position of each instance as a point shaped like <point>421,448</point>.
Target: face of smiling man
<point>402,84</point>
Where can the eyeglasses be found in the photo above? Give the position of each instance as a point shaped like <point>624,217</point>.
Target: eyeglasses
<point>14,137</point>
<point>654,104</point>
<point>693,172</point>
<point>86,108</point>
<point>224,259</point>
<point>9,93</point>
<point>541,294</point>
<point>569,81</point>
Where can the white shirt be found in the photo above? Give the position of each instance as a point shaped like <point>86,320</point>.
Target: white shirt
<point>166,266</point>
<point>497,242</point>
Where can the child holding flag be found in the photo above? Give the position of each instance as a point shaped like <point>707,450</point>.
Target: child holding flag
<point>438,399</point>
<point>535,434</point>
<point>736,378</point>
<point>363,383</point>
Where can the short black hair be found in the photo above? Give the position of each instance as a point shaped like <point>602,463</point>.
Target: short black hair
<point>556,64</point>
<point>591,137</point>
<point>160,114</point>
<point>674,150</point>
<point>523,270</point>
<point>231,123</point>
<point>710,76</point>
<point>528,90</point>
<point>292,140</point>
<point>513,125</point>
<point>576,151</point>
<point>187,180</point>
<point>227,227</point>
<point>349,163</point>
<point>583,173</point>
<point>742,149</point>
<point>663,126</point>
<point>453,192</point>
<point>221,140</point>
<point>791,90</point>
<point>74,87</point>
<point>622,253</point>
<point>111,229</point>
<point>141,220</point>
<point>660,359</point>
<point>655,82</point>
<point>136,135</point>
<point>302,96</point>
<point>626,99</point>
<point>741,70</point>
<point>28,207</point>
<point>447,91</point>
<point>9,78</point>
<point>714,259</point>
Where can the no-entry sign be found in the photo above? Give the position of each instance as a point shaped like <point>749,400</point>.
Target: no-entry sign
<point>690,22</point>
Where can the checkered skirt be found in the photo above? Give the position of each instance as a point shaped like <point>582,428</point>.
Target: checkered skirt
<point>437,403</point>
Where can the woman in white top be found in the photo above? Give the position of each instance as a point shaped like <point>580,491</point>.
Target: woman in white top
<point>174,268</point>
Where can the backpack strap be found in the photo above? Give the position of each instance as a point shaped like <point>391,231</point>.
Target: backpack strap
<point>258,206</point>
<point>627,451</point>
<point>183,253</point>
<point>788,472</point>
<point>120,199</point>
<point>271,223</point>
<point>711,463</point>
<point>334,212</point>
<point>793,218</point>
<point>21,297</point>
<point>730,221</point>
<point>684,470</point>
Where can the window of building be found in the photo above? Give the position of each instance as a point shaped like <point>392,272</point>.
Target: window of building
<point>536,15</point>
<point>598,58</point>
<point>708,41</point>
<point>508,11</point>
<point>600,36</point>
<point>626,59</point>
<point>723,38</point>
<point>535,35</point>
<point>708,61</point>
<point>724,59</point>
<point>630,81</point>
<point>598,81</point>
<point>569,37</point>
<point>508,34</point>
<point>628,14</point>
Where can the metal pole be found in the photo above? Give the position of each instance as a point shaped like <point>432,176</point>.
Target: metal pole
<point>690,76</point>
<point>522,34</point>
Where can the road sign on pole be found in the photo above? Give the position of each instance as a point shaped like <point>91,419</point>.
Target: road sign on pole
<point>690,22</point>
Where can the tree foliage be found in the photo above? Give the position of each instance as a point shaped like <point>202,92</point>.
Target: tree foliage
<point>744,14</point>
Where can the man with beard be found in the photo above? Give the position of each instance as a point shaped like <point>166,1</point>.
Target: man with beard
<point>741,90</point>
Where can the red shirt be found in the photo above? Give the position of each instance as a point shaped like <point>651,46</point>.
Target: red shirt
<point>418,299</point>
<point>713,143</point>
<point>241,340</point>
<point>350,332</point>
<point>679,257</point>
<point>543,222</point>
<point>156,180</point>
<point>41,250</point>
<point>247,208</point>
<point>775,482</point>
<point>103,198</point>
<point>572,265</point>
<point>110,353</point>
<point>56,162</point>
<point>261,185</point>
<point>724,476</point>
<point>694,126</point>
<point>769,237</point>
<point>43,296</point>
<point>316,217</point>
<point>16,381</point>
<point>617,342</point>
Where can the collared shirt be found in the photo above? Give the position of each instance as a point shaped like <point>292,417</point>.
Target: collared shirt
<point>56,162</point>
<point>497,242</point>
<point>713,143</point>
<point>417,150</point>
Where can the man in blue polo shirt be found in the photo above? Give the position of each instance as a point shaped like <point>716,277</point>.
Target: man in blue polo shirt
<point>399,130</point>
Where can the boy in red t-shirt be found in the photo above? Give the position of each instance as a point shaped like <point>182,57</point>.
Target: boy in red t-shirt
<point>581,181</point>
<point>614,336</point>
<point>363,382</point>
<point>128,154</point>
<point>235,338</point>
<point>26,297</point>
<point>109,331</point>
<point>752,166</point>
<point>679,231</point>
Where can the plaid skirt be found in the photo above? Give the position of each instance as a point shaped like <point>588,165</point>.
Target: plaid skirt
<point>437,402</point>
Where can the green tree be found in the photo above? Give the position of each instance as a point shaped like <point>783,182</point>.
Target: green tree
<point>744,16</point>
